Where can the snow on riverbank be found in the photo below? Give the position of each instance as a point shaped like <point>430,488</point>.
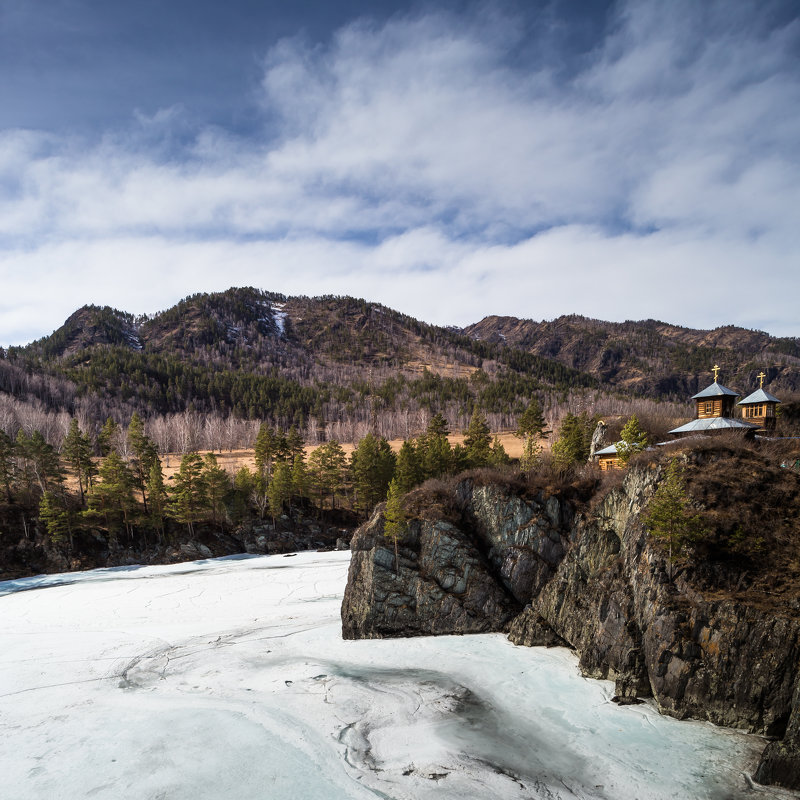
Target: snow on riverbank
<point>229,679</point>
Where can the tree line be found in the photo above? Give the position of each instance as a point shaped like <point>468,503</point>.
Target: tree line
<point>113,484</point>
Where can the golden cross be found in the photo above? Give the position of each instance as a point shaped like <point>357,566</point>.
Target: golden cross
<point>761,377</point>
<point>715,369</point>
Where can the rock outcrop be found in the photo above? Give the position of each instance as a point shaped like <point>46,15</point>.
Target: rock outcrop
<point>440,582</point>
<point>594,580</point>
<point>780,763</point>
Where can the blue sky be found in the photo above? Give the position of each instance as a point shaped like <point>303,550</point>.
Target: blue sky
<point>623,161</point>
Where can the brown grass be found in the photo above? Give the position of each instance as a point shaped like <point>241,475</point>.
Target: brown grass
<point>751,507</point>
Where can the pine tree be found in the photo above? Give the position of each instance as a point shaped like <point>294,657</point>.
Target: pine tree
<point>112,495</point>
<point>55,518</point>
<point>266,447</point>
<point>145,454</point>
<point>668,514</point>
<point>217,485</point>
<point>434,450</point>
<point>373,464</point>
<point>574,440</point>
<point>531,428</point>
<point>531,454</point>
<point>632,440</point>
<point>108,437</point>
<point>459,460</point>
<point>394,520</point>
<point>531,423</point>
<point>327,467</point>
<point>295,446</point>
<point>243,483</point>
<point>408,472</point>
<point>478,441</point>
<point>498,456</point>
<point>438,426</point>
<point>280,489</point>
<point>71,450</point>
<point>188,501</point>
<point>157,492</point>
<point>300,477</point>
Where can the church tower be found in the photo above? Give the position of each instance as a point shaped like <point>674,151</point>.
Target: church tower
<point>759,408</point>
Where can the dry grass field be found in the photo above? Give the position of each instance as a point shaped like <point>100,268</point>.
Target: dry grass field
<point>233,460</point>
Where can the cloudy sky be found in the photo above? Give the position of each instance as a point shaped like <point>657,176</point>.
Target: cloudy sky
<point>449,159</point>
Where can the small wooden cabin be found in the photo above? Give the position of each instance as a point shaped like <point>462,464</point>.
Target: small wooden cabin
<point>607,458</point>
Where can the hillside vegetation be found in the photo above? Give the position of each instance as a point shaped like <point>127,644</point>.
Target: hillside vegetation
<point>650,357</point>
<point>210,369</point>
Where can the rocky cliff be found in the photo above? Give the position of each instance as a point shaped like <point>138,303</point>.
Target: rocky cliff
<point>564,568</point>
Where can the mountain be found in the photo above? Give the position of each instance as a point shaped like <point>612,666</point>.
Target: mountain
<point>651,357</point>
<point>262,355</point>
<point>349,362</point>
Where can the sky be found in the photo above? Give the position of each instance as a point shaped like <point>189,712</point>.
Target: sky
<point>451,160</point>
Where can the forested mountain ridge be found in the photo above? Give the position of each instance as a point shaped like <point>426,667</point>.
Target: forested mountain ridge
<point>339,366</point>
<point>651,357</point>
<point>259,355</point>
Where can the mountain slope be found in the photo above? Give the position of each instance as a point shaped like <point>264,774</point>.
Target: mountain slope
<point>651,357</point>
<point>263,355</point>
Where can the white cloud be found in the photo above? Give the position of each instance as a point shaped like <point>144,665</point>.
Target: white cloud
<point>415,165</point>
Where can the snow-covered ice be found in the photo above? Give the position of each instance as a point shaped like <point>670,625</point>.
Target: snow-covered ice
<point>229,679</point>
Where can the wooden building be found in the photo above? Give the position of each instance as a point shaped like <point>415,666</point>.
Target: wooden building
<point>759,408</point>
<point>607,458</point>
<point>715,411</point>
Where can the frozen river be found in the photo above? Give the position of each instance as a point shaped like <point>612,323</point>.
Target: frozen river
<point>229,680</point>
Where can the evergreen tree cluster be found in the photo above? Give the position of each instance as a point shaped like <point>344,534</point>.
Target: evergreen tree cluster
<point>119,490</point>
<point>574,440</point>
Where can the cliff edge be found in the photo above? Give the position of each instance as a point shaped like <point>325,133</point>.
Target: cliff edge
<point>715,636</point>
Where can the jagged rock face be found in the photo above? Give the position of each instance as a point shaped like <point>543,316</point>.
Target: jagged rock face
<point>780,763</point>
<point>440,584</point>
<point>524,540</point>
<point>596,582</point>
<point>471,578</point>
<point>612,601</point>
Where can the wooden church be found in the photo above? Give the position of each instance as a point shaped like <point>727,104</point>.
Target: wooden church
<point>715,411</point>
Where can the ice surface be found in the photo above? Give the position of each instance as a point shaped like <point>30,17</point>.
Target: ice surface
<point>229,679</point>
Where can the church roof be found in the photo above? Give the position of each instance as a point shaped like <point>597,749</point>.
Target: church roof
<point>758,396</point>
<point>713,424</point>
<point>715,390</point>
<point>611,450</point>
